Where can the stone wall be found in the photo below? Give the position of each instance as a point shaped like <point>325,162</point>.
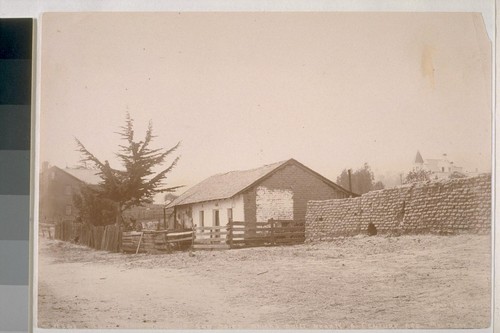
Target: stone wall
<point>442,207</point>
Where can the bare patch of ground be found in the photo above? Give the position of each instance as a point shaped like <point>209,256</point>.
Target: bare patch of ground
<point>360,282</point>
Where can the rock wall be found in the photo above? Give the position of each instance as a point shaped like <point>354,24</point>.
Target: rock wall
<point>442,207</point>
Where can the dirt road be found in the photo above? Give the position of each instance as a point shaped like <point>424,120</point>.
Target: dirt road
<point>360,282</point>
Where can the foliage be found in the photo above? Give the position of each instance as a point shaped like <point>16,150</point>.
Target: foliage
<point>417,175</point>
<point>169,197</point>
<point>137,183</point>
<point>93,209</point>
<point>378,186</point>
<point>362,180</point>
<point>456,174</point>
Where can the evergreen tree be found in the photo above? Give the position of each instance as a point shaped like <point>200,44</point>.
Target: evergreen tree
<point>92,208</point>
<point>137,183</point>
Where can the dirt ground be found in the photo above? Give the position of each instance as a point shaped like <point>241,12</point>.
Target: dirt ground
<point>359,282</point>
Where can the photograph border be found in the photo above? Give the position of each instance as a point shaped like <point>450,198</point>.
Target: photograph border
<point>487,8</point>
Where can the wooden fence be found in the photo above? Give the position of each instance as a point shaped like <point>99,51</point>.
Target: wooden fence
<point>47,230</point>
<point>106,238</point>
<point>63,230</point>
<point>210,238</point>
<point>238,234</point>
<point>272,232</point>
<point>154,241</point>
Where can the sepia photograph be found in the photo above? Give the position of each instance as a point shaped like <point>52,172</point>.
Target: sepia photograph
<point>264,170</point>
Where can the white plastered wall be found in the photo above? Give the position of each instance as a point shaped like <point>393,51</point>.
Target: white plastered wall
<point>208,208</point>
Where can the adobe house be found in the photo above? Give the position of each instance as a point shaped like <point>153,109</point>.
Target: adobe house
<point>279,191</point>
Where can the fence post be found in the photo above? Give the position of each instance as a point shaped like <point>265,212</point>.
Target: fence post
<point>119,240</point>
<point>104,242</point>
<point>271,221</point>
<point>139,244</point>
<point>230,232</point>
<point>165,239</point>
<point>194,235</point>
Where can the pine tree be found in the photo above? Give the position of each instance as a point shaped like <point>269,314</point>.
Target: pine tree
<point>137,183</point>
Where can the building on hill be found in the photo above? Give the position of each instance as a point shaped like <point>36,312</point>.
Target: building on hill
<point>277,191</point>
<point>441,168</point>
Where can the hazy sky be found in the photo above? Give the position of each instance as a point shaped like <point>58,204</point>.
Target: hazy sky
<point>332,90</point>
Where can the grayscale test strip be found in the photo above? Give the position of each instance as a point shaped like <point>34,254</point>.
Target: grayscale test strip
<point>16,36</point>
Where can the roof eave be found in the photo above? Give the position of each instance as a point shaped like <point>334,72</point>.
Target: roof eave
<point>199,202</point>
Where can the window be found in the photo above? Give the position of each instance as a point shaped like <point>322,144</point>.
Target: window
<point>442,169</point>
<point>229,214</point>
<point>68,210</point>
<point>202,219</point>
<point>67,190</point>
<point>52,175</point>
<point>216,223</point>
<point>216,218</point>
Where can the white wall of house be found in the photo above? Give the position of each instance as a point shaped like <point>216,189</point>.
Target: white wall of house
<point>208,208</point>
<point>190,215</point>
<point>222,206</point>
<point>440,168</point>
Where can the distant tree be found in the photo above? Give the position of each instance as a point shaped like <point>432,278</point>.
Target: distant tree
<point>169,197</point>
<point>418,175</point>
<point>137,183</point>
<point>362,180</point>
<point>378,186</point>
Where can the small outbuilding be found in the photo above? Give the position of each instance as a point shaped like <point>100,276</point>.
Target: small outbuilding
<point>277,191</point>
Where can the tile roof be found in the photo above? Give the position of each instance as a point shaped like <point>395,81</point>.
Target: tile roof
<point>224,185</point>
